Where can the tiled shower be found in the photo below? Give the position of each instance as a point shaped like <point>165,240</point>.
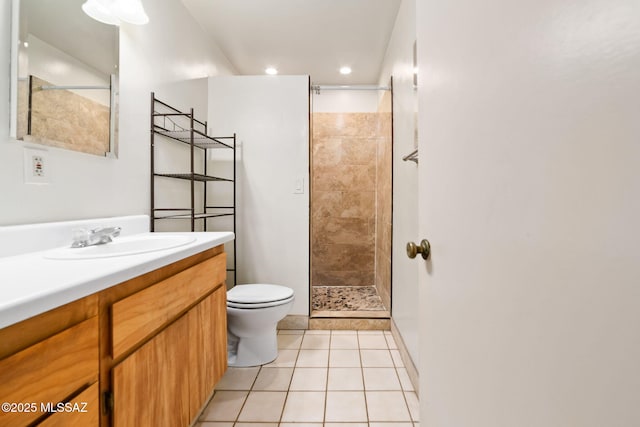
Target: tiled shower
<point>351,212</point>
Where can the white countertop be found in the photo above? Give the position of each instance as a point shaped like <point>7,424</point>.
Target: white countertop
<point>31,284</point>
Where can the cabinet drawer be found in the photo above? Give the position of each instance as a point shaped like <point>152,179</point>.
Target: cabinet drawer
<point>49,371</point>
<point>22,335</point>
<point>85,411</point>
<point>142,314</point>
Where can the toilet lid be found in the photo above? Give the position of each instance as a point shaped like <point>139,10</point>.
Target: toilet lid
<point>258,294</point>
<point>259,304</point>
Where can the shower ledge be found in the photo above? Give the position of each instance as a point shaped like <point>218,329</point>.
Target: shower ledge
<point>362,314</point>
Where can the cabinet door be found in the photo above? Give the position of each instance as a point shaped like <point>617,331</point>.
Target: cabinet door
<point>151,386</point>
<point>83,411</point>
<point>219,335</point>
<point>49,371</point>
<point>208,349</point>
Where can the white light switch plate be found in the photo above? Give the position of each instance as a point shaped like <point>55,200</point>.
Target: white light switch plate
<point>298,187</point>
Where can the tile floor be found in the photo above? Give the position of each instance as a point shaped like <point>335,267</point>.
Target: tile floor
<point>319,378</point>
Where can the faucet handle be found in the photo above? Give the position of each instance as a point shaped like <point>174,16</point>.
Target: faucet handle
<point>114,231</point>
<point>107,231</point>
<point>97,236</point>
<point>80,237</point>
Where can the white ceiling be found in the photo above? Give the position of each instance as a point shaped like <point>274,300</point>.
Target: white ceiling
<point>314,37</point>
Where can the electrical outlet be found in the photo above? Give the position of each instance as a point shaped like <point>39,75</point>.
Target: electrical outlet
<point>36,166</point>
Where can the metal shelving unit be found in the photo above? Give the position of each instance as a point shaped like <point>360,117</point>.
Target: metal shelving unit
<point>175,125</point>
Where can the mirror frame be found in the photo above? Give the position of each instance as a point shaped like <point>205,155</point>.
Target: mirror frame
<point>13,83</point>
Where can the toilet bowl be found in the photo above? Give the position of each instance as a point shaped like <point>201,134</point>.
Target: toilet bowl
<point>253,313</point>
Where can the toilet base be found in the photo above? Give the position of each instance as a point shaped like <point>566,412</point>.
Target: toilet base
<point>252,351</point>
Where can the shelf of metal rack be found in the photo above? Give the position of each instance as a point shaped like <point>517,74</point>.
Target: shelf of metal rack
<point>179,126</point>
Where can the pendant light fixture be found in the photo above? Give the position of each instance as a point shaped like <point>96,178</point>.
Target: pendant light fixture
<point>113,12</point>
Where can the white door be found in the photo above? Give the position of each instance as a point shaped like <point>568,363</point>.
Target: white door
<point>529,193</point>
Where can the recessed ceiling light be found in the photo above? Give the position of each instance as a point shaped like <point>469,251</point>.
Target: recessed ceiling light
<point>345,70</point>
<point>271,71</point>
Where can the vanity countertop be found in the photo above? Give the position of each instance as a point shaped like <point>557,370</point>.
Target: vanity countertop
<point>31,284</point>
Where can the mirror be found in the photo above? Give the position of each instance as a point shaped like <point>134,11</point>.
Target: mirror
<point>65,77</point>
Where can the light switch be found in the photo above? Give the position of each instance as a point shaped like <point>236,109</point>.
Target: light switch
<point>299,185</point>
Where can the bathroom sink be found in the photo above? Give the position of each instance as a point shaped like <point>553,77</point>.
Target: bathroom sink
<point>122,246</point>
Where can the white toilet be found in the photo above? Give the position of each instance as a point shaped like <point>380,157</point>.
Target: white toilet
<point>253,312</point>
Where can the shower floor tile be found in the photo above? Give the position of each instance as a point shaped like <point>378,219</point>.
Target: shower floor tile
<point>345,298</point>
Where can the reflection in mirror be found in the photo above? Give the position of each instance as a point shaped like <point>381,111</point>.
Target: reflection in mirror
<point>67,78</point>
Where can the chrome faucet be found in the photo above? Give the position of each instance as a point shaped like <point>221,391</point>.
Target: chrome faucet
<point>83,237</point>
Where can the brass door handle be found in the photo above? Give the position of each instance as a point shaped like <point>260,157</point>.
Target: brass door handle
<point>424,249</point>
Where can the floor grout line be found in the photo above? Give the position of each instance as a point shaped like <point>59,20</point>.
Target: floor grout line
<point>327,366</point>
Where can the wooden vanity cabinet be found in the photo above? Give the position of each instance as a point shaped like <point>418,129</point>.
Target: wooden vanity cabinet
<point>48,360</point>
<point>169,343</point>
<point>146,352</point>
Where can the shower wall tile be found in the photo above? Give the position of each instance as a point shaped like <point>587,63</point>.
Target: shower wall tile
<point>383,206</point>
<point>327,151</point>
<point>343,204</point>
<point>345,178</point>
<point>374,122</point>
<point>63,119</point>
<point>343,278</point>
<point>23,108</point>
<point>345,163</point>
<point>338,124</point>
<point>384,230</point>
<point>343,230</point>
<point>343,257</point>
<point>361,125</point>
<point>385,105</point>
<point>358,204</point>
<point>358,151</point>
<point>383,276</point>
<point>324,125</point>
<point>332,151</point>
<point>326,204</point>
<point>385,125</point>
